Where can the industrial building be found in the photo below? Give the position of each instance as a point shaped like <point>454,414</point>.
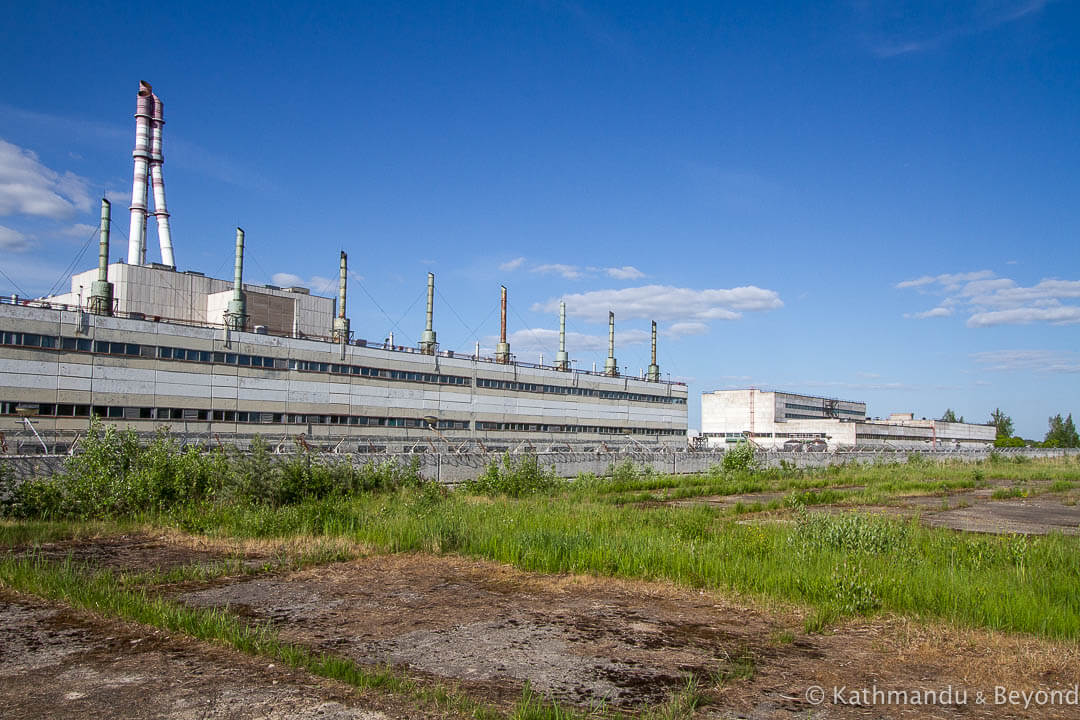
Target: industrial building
<point>788,421</point>
<point>145,345</point>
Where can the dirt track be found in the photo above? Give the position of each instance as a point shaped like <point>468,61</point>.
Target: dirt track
<point>58,664</point>
<point>489,629</point>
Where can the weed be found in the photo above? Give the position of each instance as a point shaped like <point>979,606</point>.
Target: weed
<point>739,665</point>
<point>819,621</point>
<point>515,477</point>
<point>680,705</point>
<point>1006,493</point>
<point>740,458</point>
<point>783,637</point>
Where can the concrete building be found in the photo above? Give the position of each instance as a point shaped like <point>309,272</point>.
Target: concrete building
<point>61,365</point>
<point>145,346</point>
<point>781,420</point>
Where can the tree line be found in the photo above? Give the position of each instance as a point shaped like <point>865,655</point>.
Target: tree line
<point>1061,433</point>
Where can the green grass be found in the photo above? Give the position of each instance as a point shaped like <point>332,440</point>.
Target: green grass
<point>14,533</point>
<point>837,565</point>
<point>918,476</point>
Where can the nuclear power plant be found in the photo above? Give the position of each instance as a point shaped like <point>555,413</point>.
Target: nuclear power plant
<point>143,345</point>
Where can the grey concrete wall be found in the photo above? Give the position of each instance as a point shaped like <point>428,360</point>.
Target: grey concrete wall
<point>454,469</point>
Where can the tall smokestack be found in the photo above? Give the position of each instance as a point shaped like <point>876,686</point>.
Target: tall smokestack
<point>156,160</point>
<point>654,369</point>
<point>341,322</point>
<point>427,339</point>
<point>236,313</point>
<point>141,153</point>
<point>610,366</point>
<point>562,360</point>
<point>502,350</point>
<point>101,290</point>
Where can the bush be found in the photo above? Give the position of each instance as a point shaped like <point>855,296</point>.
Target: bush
<point>515,478</point>
<point>740,458</point>
<point>113,476</point>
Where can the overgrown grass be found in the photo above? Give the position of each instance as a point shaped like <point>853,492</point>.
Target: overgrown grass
<point>894,479</point>
<point>838,565</point>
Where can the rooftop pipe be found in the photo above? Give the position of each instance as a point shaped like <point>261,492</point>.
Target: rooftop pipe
<point>502,350</point>
<point>610,366</point>
<point>341,322</point>
<point>101,290</point>
<point>427,339</point>
<point>236,314</point>
<point>654,369</point>
<point>562,360</point>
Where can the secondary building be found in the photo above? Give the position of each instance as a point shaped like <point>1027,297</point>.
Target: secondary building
<point>789,421</point>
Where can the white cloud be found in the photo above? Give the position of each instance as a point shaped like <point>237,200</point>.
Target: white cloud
<point>893,31</point>
<point>29,188</point>
<point>13,240</point>
<point>79,230</point>
<point>663,302</point>
<point>511,265</point>
<point>286,280</point>
<point>990,300</point>
<point>1065,315</point>
<point>315,283</point>
<point>949,281</point>
<point>936,312</point>
<point>679,329</point>
<point>626,272</point>
<point>1047,361</point>
<point>570,272</point>
<point>535,341</point>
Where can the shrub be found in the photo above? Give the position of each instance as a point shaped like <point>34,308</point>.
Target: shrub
<point>523,476</point>
<point>740,458</point>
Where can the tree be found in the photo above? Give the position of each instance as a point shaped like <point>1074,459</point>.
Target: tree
<point>950,416</point>
<point>1002,422</point>
<point>1062,433</point>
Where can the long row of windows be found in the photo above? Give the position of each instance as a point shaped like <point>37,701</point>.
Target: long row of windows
<point>822,410</point>
<point>261,361</point>
<point>576,391</point>
<point>596,429</point>
<point>117,412</point>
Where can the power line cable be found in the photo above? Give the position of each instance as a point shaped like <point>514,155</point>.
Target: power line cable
<point>375,302</point>
<point>69,270</point>
<point>470,332</point>
<point>14,284</point>
<point>532,331</point>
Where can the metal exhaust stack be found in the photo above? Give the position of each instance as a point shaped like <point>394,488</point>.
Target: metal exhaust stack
<point>156,161</point>
<point>427,340</point>
<point>236,313</point>
<point>654,369</point>
<point>101,290</point>
<point>141,153</point>
<point>341,322</point>
<point>610,366</point>
<point>562,360</point>
<point>502,350</point>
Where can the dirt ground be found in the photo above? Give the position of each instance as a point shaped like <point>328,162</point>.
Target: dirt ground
<point>490,629</point>
<point>589,641</point>
<point>55,663</point>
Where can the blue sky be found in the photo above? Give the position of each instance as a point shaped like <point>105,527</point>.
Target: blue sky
<point>869,200</point>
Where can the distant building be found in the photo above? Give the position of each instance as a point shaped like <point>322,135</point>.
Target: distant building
<point>781,420</point>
